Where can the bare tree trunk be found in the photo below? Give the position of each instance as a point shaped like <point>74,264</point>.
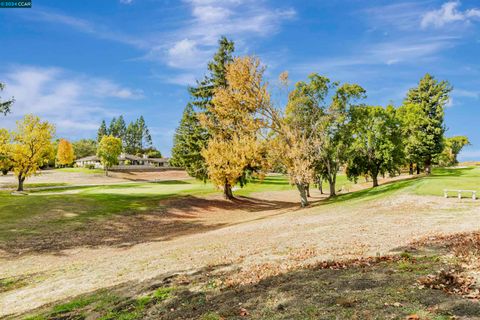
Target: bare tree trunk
<point>418,169</point>
<point>331,183</point>
<point>303,194</point>
<point>106,172</point>
<point>428,166</point>
<point>227,191</point>
<point>307,189</point>
<point>375,180</point>
<point>21,180</point>
<point>320,186</point>
<point>410,169</point>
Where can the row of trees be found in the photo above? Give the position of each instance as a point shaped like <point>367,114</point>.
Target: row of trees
<point>135,137</point>
<point>30,147</point>
<point>232,129</point>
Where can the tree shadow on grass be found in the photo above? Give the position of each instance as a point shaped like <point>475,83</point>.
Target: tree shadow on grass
<point>371,193</point>
<point>140,219</point>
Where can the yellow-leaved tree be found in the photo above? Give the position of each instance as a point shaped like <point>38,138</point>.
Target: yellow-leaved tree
<point>235,150</point>
<point>108,151</point>
<point>5,163</point>
<point>65,154</point>
<point>291,144</point>
<point>30,147</point>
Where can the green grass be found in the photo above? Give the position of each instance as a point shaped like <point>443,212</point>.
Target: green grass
<point>36,185</point>
<point>20,216</point>
<point>42,212</point>
<point>105,305</point>
<point>448,178</point>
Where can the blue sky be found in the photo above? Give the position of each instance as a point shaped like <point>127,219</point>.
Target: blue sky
<point>77,62</point>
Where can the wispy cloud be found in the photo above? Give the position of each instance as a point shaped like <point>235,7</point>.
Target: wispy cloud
<point>466,93</point>
<point>86,26</point>
<point>190,46</point>
<point>403,51</point>
<point>73,102</point>
<point>449,13</point>
<point>400,15</point>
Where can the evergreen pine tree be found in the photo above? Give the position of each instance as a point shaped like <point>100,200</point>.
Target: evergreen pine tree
<point>189,141</point>
<point>429,99</point>
<point>190,137</point>
<point>102,131</point>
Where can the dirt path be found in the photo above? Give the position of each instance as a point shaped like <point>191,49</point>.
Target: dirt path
<point>248,237</point>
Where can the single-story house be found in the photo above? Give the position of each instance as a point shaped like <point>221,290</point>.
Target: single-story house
<point>125,160</point>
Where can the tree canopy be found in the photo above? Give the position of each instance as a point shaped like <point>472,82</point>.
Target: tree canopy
<point>65,155</point>
<point>29,147</point>
<point>109,149</point>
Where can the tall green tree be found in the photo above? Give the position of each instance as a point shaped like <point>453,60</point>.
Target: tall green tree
<point>189,140</point>
<point>144,137</point>
<point>102,131</point>
<point>325,105</point>
<point>7,104</point>
<point>120,127</point>
<point>452,147</point>
<point>84,148</point>
<point>408,115</point>
<point>376,144</point>
<point>202,93</point>
<point>188,152</point>
<point>429,97</point>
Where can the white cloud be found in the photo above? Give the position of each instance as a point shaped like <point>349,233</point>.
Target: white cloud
<point>466,93</point>
<point>86,26</point>
<point>72,102</point>
<point>403,51</point>
<point>192,45</point>
<point>447,14</point>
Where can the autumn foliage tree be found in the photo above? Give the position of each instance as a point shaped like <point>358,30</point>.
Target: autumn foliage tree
<point>191,137</point>
<point>109,149</point>
<point>234,149</point>
<point>30,147</point>
<point>5,163</point>
<point>65,154</point>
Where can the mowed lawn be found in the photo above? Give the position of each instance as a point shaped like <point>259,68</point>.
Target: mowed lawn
<point>70,207</point>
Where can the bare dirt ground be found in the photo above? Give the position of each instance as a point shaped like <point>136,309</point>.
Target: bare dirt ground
<point>267,229</point>
<point>80,178</point>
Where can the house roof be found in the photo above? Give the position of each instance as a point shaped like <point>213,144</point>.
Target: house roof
<point>130,157</point>
<point>89,158</point>
<point>125,157</point>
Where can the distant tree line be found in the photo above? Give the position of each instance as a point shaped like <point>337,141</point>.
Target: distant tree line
<point>232,130</point>
<point>135,137</point>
